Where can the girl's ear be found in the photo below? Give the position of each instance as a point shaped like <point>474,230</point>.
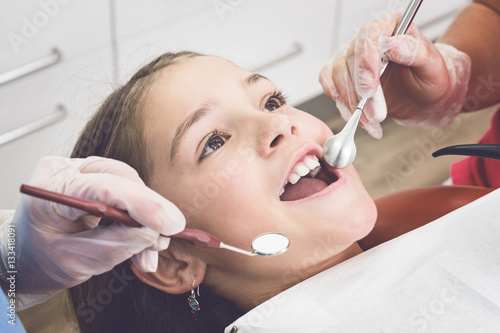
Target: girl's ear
<point>175,273</point>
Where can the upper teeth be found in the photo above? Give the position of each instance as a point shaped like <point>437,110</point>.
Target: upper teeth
<point>309,165</point>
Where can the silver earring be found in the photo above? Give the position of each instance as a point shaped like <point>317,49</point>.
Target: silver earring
<point>192,301</point>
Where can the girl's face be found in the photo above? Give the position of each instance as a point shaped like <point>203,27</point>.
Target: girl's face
<point>223,145</point>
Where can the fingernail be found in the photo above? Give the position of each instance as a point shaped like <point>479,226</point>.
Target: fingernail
<point>162,243</point>
<point>146,261</point>
<point>176,222</point>
<point>366,86</point>
<point>151,266</point>
<point>375,130</point>
<point>383,43</point>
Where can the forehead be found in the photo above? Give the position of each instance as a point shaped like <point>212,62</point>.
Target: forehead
<point>180,88</point>
<point>182,85</point>
<point>195,72</point>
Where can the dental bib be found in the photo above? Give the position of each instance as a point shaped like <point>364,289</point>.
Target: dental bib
<point>442,277</point>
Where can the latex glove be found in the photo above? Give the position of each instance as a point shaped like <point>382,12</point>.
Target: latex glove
<point>59,247</point>
<point>428,90</point>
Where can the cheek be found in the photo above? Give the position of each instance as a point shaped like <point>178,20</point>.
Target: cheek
<point>367,210</point>
<point>314,126</point>
<point>358,213</point>
<point>344,227</point>
<point>346,216</point>
<point>221,200</point>
<point>358,223</point>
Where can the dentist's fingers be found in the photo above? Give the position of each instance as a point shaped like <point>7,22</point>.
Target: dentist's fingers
<point>364,54</point>
<point>354,73</point>
<point>108,166</point>
<point>338,85</point>
<point>417,52</point>
<point>147,260</point>
<point>427,90</point>
<point>98,249</point>
<point>111,182</point>
<point>96,164</point>
<point>142,204</point>
<point>344,85</point>
<point>374,113</point>
<point>334,68</point>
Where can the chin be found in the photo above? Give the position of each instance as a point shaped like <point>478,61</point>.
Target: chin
<point>354,222</point>
<point>364,221</point>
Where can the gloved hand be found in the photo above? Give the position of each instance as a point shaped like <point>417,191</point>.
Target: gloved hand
<point>59,247</point>
<point>428,90</point>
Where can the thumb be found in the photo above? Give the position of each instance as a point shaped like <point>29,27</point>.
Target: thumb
<point>413,49</point>
<point>101,248</point>
<point>147,260</point>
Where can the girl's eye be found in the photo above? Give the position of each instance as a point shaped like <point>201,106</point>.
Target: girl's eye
<point>274,102</point>
<point>215,141</point>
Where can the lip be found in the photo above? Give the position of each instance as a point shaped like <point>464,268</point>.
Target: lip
<point>312,149</point>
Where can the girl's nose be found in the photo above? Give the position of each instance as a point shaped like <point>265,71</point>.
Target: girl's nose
<point>273,131</point>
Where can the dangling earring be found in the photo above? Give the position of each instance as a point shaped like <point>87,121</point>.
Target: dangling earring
<point>193,302</point>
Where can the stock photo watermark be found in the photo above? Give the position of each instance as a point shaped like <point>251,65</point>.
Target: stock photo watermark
<point>10,276</point>
<point>410,161</point>
<point>31,25</point>
<point>245,152</point>
<point>322,252</point>
<point>258,316</point>
<point>218,181</point>
<point>436,307</point>
<point>222,7</point>
<point>375,13</point>
<point>88,308</point>
<point>485,89</point>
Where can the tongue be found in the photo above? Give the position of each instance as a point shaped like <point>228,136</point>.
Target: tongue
<point>304,188</point>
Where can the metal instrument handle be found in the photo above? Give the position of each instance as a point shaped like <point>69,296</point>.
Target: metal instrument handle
<point>401,28</point>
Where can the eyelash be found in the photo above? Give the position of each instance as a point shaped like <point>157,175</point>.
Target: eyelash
<point>207,150</point>
<point>276,96</point>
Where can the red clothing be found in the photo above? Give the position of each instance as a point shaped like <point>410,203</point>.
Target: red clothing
<point>480,171</point>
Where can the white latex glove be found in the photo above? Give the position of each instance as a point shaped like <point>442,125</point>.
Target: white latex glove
<point>427,91</point>
<point>59,247</point>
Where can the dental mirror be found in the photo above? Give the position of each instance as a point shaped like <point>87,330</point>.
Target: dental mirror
<point>266,244</point>
<point>270,244</point>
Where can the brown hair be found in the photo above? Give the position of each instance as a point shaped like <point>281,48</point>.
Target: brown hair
<point>117,301</point>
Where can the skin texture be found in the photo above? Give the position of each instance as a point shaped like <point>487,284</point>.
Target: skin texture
<point>475,32</point>
<point>247,173</point>
<point>427,84</point>
<point>233,192</point>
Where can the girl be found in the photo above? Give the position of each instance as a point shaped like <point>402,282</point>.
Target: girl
<point>222,145</point>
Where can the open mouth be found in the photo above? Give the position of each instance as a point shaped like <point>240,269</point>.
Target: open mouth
<point>308,177</point>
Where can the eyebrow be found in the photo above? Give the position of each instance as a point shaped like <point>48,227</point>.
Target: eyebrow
<point>185,125</point>
<point>182,129</point>
<point>254,78</point>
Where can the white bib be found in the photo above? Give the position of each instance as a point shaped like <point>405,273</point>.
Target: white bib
<point>442,277</point>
